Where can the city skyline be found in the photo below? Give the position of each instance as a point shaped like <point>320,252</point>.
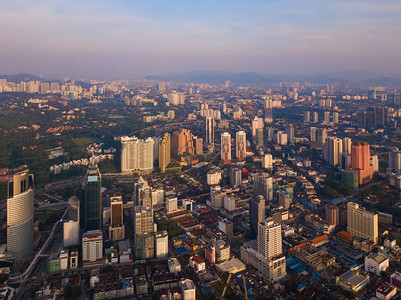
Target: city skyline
<point>125,40</point>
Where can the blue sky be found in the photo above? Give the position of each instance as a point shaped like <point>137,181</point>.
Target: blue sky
<point>129,39</point>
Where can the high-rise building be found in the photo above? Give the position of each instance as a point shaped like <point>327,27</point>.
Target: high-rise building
<point>318,137</point>
<point>347,145</point>
<point>176,98</point>
<point>198,145</point>
<point>256,213</point>
<point>307,116</point>
<point>92,210</point>
<point>257,123</point>
<point>267,161</point>
<point>268,113</point>
<point>360,161</point>
<point>92,246</point>
<point>171,204</point>
<point>315,117</point>
<point>143,226</point>
<point>226,148</point>
<point>161,244</point>
<point>333,214</point>
<point>263,185</point>
<point>240,145</point>
<point>235,177</point>
<point>181,142</point>
<point>71,230</point>
<point>142,193</point>
<point>269,239</point>
<point>136,154</point>
<point>345,161</point>
<point>394,160</point>
<point>284,198</point>
<point>188,290</point>
<point>333,151</point>
<point>20,216</point>
<point>335,117</point>
<point>362,223</point>
<point>290,134</point>
<point>259,137</point>
<point>165,152</point>
<point>282,138</point>
<point>209,137</point>
<point>117,227</point>
<point>326,117</point>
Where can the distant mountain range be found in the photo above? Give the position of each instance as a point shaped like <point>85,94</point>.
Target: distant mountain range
<point>21,77</point>
<point>356,78</point>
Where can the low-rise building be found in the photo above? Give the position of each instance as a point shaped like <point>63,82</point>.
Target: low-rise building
<point>376,263</point>
<point>352,280</point>
<point>197,263</point>
<point>386,291</point>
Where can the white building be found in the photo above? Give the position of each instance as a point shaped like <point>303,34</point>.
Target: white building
<point>267,161</point>
<point>223,250</point>
<point>269,239</point>
<point>136,154</point>
<point>92,246</point>
<point>71,233</point>
<point>174,265</point>
<point>214,177</point>
<point>240,145</point>
<point>171,204</point>
<point>197,263</point>
<point>188,290</point>
<point>376,263</point>
<point>161,244</point>
<point>176,98</point>
<point>229,202</point>
<point>282,138</point>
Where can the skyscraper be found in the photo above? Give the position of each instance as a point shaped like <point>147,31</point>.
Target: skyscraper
<point>142,193</point>
<point>290,134</point>
<point>226,148</point>
<point>92,211</point>
<point>117,228</point>
<point>335,117</point>
<point>333,151</point>
<point>20,216</point>
<point>263,185</point>
<point>165,152</point>
<point>182,142</point>
<point>240,145</point>
<point>307,116</point>
<point>269,239</point>
<point>257,123</point>
<point>362,223</point>
<point>360,161</point>
<point>347,145</point>
<point>256,213</point>
<point>315,117</point>
<point>282,138</point>
<point>326,117</point>
<point>268,110</point>
<point>143,226</point>
<point>210,124</point>
<point>333,214</point>
<point>394,159</point>
<point>136,154</point>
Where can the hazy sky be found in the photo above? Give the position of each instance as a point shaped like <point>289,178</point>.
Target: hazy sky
<point>129,39</point>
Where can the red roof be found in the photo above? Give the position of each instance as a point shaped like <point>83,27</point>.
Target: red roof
<point>197,259</point>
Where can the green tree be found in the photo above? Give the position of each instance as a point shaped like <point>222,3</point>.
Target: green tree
<point>72,291</point>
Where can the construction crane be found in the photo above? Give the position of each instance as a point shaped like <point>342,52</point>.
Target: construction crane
<point>225,287</point>
<point>246,292</point>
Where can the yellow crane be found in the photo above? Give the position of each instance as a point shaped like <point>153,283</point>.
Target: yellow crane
<point>246,292</point>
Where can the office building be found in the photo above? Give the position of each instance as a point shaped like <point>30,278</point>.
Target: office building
<point>263,185</point>
<point>226,148</point>
<point>256,213</point>
<point>259,137</point>
<point>181,142</point>
<point>290,134</point>
<point>20,216</point>
<point>307,116</point>
<point>257,123</point>
<point>267,161</point>
<point>165,152</point>
<point>161,244</point>
<point>142,193</point>
<point>332,214</point>
<point>268,112</point>
<point>360,161</point>
<point>198,145</point>
<point>143,226</point>
<point>362,223</point>
<point>117,227</point>
<point>235,177</point>
<point>71,226</point>
<point>240,146</point>
<point>333,151</point>
<point>394,160</point>
<point>92,208</point>
<point>188,290</point>
<point>136,154</point>
<point>92,246</point>
<point>284,198</point>
<point>269,239</point>
<point>210,124</point>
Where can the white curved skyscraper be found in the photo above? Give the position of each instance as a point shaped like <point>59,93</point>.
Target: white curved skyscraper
<point>20,216</point>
